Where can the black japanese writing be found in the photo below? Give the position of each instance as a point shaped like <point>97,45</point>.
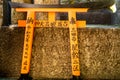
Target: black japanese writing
<point>51,24</point>
<point>72,21</point>
<point>75,55</point>
<point>75,67</point>
<point>25,68</point>
<point>30,20</point>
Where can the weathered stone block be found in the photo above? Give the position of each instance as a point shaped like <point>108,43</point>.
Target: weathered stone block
<point>98,16</point>
<point>93,16</point>
<point>98,48</point>
<point>91,3</point>
<point>118,4</point>
<point>1,12</point>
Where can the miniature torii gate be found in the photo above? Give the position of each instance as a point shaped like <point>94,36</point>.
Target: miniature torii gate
<point>31,23</point>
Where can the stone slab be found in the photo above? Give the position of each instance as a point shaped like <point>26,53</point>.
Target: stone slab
<point>93,16</point>
<point>1,12</point>
<point>116,18</point>
<point>91,3</point>
<point>99,51</point>
<point>118,4</point>
<point>100,16</point>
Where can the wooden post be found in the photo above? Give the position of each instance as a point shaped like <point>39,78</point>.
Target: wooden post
<point>25,68</point>
<point>74,46</point>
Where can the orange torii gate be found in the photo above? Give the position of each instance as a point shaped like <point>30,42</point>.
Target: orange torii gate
<point>31,23</point>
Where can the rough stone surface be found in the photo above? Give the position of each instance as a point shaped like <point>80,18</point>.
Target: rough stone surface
<point>10,52</point>
<point>93,16</point>
<point>15,16</point>
<point>118,4</point>
<point>96,17</point>
<point>46,2</point>
<point>116,18</point>
<point>1,11</point>
<point>98,3</point>
<point>44,16</point>
<point>99,51</point>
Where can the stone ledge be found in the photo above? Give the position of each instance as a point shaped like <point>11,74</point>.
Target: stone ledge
<point>99,51</point>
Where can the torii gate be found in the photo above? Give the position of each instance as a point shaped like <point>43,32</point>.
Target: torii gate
<point>31,23</point>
